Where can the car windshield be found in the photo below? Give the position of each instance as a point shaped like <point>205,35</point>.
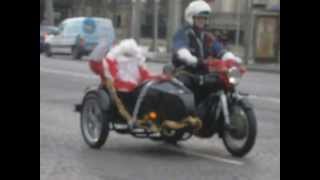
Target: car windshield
<point>72,28</point>
<point>48,29</point>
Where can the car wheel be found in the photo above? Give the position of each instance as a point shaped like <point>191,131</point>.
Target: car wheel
<point>76,54</point>
<point>47,50</point>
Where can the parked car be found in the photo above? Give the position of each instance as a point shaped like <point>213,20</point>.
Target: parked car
<point>79,36</point>
<point>46,31</point>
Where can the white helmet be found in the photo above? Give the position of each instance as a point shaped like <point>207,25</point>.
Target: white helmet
<point>196,8</point>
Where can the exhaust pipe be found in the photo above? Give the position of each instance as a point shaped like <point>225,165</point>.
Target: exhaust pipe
<point>189,122</point>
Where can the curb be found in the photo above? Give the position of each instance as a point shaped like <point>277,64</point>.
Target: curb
<point>250,68</point>
<point>254,69</point>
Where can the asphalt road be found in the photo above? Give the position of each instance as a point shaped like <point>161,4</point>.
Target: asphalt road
<point>64,155</point>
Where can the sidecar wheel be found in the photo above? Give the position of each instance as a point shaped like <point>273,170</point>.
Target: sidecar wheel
<point>94,122</point>
<point>245,136</point>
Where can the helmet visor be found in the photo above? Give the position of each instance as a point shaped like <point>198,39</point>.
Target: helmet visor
<point>204,14</point>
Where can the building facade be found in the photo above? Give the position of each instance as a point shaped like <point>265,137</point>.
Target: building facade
<point>254,24</point>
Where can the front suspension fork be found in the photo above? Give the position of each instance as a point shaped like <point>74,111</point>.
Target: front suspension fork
<point>225,109</point>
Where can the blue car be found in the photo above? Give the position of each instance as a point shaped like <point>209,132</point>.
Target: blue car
<point>79,36</point>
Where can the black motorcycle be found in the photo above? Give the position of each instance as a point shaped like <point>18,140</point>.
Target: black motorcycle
<point>222,109</point>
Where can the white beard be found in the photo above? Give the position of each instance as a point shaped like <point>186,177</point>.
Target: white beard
<point>129,57</point>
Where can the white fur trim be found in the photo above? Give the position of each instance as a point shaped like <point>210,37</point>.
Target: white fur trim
<point>129,57</point>
<point>127,50</point>
<point>185,55</point>
<point>231,56</point>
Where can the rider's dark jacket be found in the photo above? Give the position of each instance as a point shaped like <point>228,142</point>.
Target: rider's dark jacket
<point>200,43</point>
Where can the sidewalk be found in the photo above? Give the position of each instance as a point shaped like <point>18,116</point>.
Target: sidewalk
<point>163,57</point>
<point>268,68</point>
<point>256,67</point>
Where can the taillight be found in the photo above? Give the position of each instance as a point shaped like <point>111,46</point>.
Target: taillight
<point>81,42</point>
<point>45,35</point>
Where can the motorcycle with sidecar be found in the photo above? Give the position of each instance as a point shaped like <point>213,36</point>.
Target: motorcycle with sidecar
<point>163,109</point>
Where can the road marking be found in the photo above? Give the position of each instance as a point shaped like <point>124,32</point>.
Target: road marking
<point>270,99</point>
<point>86,76</point>
<point>68,73</point>
<point>205,156</point>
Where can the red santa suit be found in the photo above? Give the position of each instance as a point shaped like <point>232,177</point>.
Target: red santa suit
<point>124,65</point>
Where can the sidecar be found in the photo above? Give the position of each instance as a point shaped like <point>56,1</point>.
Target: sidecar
<point>159,109</point>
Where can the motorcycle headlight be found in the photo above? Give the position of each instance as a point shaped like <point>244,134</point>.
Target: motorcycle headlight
<point>234,76</point>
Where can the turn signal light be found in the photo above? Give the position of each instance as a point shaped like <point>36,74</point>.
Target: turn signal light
<point>153,115</point>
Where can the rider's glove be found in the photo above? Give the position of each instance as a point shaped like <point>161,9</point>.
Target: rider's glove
<point>185,55</point>
<point>231,56</point>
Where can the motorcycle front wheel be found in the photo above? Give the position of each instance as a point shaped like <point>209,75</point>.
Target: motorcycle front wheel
<point>240,139</point>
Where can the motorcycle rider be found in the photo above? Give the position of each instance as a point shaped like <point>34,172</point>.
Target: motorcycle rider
<point>192,44</point>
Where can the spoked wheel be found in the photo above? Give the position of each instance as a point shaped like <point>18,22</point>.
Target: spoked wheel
<point>240,139</point>
<point>47,50</point>
<point>94,122</point>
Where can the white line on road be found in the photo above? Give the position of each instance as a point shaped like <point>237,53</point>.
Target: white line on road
<point>61,72</point>
<point>82,75</point>
<point>270,99</point>
<point>205,156</point>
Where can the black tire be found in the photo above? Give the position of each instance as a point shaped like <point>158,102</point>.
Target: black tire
<point>173,139</point>
<point>103,118</point>
<point>251,137</point>
<point>47,50</point>
<point>76,54</point>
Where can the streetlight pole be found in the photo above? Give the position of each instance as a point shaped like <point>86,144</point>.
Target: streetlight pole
<point>154,45</point>
<point>249,32</point>
<point>135,20</point>
<point>238,23</point>
<point>174,20</point>
<point>49,12</point>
